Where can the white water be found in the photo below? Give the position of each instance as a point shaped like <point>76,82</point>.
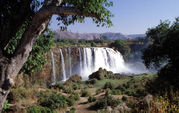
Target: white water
<point>79,50</point>
<point>89,60</point>
<point>106,58</point>
<point>70,58</point>
<point>53,69</point>
<point>63,66</point>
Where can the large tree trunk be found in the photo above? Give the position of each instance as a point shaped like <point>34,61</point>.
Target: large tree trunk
<point>9,67</point>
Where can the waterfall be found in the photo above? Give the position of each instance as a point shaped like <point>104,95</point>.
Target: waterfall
<point>63,65</point>
<point>103,57</point>
<point>70,58</point>
<point>87,60</point>
<point>80,60</point>
<point>53,69</point>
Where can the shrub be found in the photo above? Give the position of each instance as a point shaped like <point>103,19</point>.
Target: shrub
<point>39,109</point>
<point>92,81</point>
<point>72,110</point>
<point>52,100</point>
<point>58,86</point>
<point>68,90</point>
<point>115,92</point>
<point>91,99</point>
<point>70,101</point>
<point>75,78</point>
<point>108,85</point>
<point>121,88</point>
<point>98,91</point>
<point>76,96</point>
<point>85,93</point>
<point>124,98</point>
<point>107,101</point>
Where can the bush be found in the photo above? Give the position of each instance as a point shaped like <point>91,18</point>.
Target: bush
<point>115,92</point>
<point>124,98</point>
<point>39,109</point>
<point>76,96</point>
<point>122,88</point>
<point>92,81</point>
<point>70,101</point>
<point>75,78</point>
<point>68,90</point>
<point>107,101</point>
<point>52,100</point>
<point>72,110</point>
<point>108,85</point>
<point>98,91</point>
<point>85,93</point>
<point>58,86</point>
<point>91,99</point>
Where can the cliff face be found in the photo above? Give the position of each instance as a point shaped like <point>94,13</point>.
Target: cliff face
<point>89,36</point>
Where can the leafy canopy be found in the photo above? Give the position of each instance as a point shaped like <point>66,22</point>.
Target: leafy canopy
<point>165,39</point>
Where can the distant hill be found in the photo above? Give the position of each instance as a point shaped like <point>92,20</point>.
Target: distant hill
<point>132,36</point>
<point>89,36</point>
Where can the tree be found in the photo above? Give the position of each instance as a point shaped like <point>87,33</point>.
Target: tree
<point>14,13</point>
<point>121,46</point>
<point>165,39</point>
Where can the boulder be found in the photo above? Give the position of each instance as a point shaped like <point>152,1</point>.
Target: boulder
<point>74,78</point>
<point>101,74</point>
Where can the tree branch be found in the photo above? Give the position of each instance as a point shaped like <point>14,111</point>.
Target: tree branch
<point>50,10</point>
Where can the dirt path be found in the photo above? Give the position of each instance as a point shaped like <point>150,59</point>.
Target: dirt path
<point>82,106</point>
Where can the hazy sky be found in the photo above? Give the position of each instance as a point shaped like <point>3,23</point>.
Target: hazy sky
<point>130,16</point>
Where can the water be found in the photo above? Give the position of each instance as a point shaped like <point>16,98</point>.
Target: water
<point>89,59</point>
<point>53,69</point>
<point>63,66</point>
<point>70,58</point>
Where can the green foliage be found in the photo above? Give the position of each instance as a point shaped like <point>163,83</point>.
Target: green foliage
<point>98,91</point>
<point>124,98</point>
<point>75,95</point>
<point>107,101</point>
<point>121,46</point>
<point>72,110</point>
<point>115,92</point>
<point>108,85</point>
<point>36,59</point>
<point>85,93</point>
<point>91,99</point>
<point>52,100</point>
<point>164,49</point>
<point>6,106</point>
<point>59,86</point>
<point>71,101</point>
<point>39,109</point>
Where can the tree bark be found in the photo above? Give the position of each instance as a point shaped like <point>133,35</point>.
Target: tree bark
<point>9,67</point>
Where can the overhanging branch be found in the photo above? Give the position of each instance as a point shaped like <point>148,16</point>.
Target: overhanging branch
<point>50,10</point>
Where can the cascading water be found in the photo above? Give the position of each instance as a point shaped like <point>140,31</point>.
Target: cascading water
<point>80,55</point>
<point>63,66</point>
<point>106,58</point>
<point>53,69</point>
<point>86,60</point>
<point>70,58</point>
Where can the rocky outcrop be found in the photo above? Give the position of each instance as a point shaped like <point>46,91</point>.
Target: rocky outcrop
<point>101,74</point>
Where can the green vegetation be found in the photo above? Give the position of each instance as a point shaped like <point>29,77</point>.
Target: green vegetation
<point>52,100</point>
<point>106,101</point>
<point>165,38</point>
<point>121,46</point>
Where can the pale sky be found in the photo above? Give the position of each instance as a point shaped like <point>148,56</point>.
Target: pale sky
<point>130,17</point>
